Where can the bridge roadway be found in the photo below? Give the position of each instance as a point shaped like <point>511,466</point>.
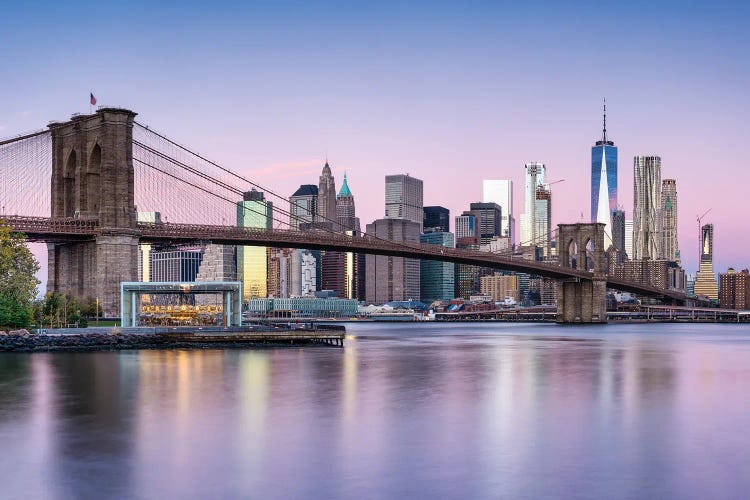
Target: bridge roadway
<point>73,229</point>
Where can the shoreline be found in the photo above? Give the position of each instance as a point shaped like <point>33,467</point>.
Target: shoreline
<point>117,339</point>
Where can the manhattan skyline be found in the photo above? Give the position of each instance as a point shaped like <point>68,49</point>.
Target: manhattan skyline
<point>449,95</point>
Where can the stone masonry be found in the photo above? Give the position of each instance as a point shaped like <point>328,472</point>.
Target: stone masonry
<point>582,301</point>
<point>92,177</point>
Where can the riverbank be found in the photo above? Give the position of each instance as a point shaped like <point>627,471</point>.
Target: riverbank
<point>107,339</point>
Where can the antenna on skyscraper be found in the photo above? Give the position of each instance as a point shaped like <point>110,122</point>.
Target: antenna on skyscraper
<point>604,131</point>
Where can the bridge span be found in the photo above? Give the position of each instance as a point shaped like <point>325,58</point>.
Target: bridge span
<point>65,229</point>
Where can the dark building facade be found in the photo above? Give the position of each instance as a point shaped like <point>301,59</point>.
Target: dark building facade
<point>618,234</point>
<point>490,220</point>
<point>436,218</point>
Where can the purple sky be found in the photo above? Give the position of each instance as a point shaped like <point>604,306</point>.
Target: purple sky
<point>451,95</point>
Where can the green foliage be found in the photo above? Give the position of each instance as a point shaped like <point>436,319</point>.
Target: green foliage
<point>59,310</point>
<point>17,279</point>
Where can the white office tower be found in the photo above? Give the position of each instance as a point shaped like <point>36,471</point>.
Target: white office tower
<point>501,192</point>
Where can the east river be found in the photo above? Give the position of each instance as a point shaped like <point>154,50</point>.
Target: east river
<point>403,411</point>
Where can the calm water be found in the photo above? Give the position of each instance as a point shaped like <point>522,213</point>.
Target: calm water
<point>438,411</point>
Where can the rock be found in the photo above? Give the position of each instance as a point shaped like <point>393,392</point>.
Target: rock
<point>20,333</point>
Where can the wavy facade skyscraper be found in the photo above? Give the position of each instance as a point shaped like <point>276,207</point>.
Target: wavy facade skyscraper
<point>604,181</point>
<point>647,207</point>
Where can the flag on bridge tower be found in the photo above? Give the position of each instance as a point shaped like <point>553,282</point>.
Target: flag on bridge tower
<point>93,99</point>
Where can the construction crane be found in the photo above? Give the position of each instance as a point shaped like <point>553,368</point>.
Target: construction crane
<point>700,236</point>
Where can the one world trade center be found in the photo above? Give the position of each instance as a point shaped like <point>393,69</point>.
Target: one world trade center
<point>604,181</point>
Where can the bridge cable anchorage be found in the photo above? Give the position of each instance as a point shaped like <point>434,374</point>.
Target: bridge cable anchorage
<point>238,191</point>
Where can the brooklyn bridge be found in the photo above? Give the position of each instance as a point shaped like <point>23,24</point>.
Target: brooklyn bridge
<point>78,186</point>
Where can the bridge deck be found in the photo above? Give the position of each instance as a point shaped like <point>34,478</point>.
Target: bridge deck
<point>67,229</point>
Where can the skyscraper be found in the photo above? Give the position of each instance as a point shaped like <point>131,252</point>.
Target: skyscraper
<point>436,219</point>
<point>468,236</point>
<point>535,174</point>
<point>393,278</point>
<point>501,192</point>
<point>436,278</point>
<point>326,208</point>
<point>543,220</point>
<point>604,180</point>
<point>705,281</point>
<point>490,220</point>
<point>669,246</point>
<point>646,207</point>
<point>618,233</point>
<point>396,278</point>
<point>340,269</point>
<point>346,214</point>
<point>629,239</point>
<point>303,206</point>
<point>252,261</point>
<point>403,198</point>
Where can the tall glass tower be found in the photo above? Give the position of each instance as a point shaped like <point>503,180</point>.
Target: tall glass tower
<point>604,181</point>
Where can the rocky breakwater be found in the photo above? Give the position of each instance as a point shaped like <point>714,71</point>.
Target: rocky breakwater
<point>116,339</point>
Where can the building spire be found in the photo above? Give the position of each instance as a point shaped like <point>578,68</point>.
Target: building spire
<point>604,130</point>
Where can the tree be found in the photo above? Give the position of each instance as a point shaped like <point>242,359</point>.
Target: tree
<point>18,282</point>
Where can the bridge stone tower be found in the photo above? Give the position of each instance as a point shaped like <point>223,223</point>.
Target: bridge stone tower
<point>93,178</point>
<point>581,246</point>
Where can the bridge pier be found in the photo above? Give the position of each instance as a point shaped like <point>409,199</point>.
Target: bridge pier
<point>583,301</point>
<point>581,246</point>
<point>93,178</point>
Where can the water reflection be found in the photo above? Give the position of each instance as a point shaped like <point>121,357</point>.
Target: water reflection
<point>476,411</point>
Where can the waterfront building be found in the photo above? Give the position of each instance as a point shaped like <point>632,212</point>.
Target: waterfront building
<point>618,234</point>
<point>705,281</point>
<point>534,178</point>
<point>308,273</point>
<point>734,292</point>
<point>252,261</point>
<point>490,220</point>
<point>404,198</point>
<point>499,286</point>
<point>604,180</point>
<point>653,272</point>
<point>436,219</point>
<point>436,277</point>
<point>500,191</point>
<point>302,307</point>
<point>175,265</point>
<point>669,244</point>
<point>303,206</point>
<point>393,278</point>
<point>646,207</point>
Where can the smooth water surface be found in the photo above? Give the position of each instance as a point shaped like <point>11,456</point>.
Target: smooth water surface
<point>421,410</point>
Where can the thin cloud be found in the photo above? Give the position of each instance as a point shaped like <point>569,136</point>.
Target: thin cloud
<point>289,169</point>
